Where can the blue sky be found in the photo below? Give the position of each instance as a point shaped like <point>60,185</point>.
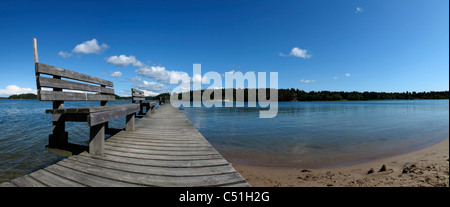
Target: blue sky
<point>347,45</point>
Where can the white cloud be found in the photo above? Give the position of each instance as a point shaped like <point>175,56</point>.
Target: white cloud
<point>358,9</point>
<point>297,52</point>
<point>347,75</point>
<point>89,47</point>
<point>150,86</point>
<point>64,54</point>
<point>116,74</point>
<point>135,79</point>
<point>335,78</point>
<point>160,74</point>
<point>150,93</point>
<point>123,61</point>
<point>307,81</point>
<point>13,89</point>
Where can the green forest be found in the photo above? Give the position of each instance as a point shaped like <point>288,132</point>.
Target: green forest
<point>300,95</point>
<point>23,96</point>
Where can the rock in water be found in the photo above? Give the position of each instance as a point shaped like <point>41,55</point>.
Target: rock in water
<point>383,168</point>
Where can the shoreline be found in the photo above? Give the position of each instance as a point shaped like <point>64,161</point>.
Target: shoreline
<point>426,167</point>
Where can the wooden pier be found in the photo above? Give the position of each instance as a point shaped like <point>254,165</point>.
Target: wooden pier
<point>165,149</point>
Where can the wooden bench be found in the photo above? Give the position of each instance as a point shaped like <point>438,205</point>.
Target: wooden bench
<point>137,96</point>
<point>97,117</point>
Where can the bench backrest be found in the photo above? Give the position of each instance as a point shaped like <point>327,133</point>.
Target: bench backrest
<point>84,83</point>
<point>137,95</point>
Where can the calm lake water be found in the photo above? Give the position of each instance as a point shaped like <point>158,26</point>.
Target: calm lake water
<point>304,134</point>
<point>323,134</point>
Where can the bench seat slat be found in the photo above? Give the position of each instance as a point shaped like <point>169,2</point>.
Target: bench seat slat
<point>71,96</point>
<point>53,70</point>
<point>64,84</point>
<point>88,110</point>
<point>138,95</point>
<point>150,104</point>
<point>104,116</point>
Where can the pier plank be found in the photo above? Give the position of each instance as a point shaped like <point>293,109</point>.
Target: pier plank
<point>53,180</point>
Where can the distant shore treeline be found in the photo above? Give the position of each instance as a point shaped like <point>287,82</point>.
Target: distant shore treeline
<point>23,96</point>
<point>300,95</point>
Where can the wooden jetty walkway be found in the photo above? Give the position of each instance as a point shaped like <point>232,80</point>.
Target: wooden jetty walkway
<point>164,150</point>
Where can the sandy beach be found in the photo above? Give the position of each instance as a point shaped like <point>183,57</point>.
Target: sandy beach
<point>428,167</point>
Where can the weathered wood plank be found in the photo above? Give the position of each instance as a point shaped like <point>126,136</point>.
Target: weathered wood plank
<point>158,152</point>
<point>159,170</point>
<point>168,138</point>
<point>72,96</point>
<point>159,144</point>
<point>150,104</point>
<point>27,181</point>
<point>161,163</point>
<point>130,125</point>
<point>88,110</point>
<point>239,184</point>
<point>137,95</point>
<point>65,84</point>
<point>69,117</point>
<point>35,50</point>
<point>8,184</point>
<point>158,139</point>
<point>97,139</point>
<point>86,178</point>
<point>53,180</point>
<point>53,70</point>
<point>104,116</point>
<point>133,90</point>
<point>164,157</point>
<point>161,148</point>
<point>154,180</point>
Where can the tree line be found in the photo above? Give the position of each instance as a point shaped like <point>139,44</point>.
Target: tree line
<point>301,95</point>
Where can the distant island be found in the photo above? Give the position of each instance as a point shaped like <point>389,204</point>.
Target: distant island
<point>292,94</point>
<point>23,96</point>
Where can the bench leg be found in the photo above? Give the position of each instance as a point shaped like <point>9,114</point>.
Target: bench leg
<point>59,138</point>
<point>141,109</point>
<point>97,139</point>
<point>130,122</point>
